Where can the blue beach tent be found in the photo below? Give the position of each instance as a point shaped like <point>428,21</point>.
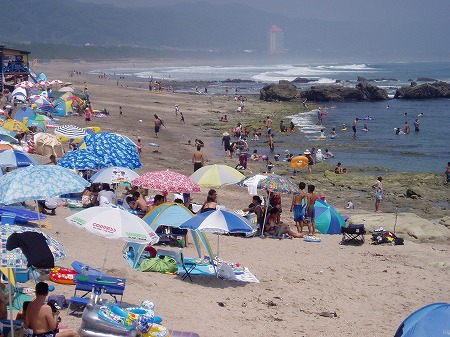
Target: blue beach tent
<point>431,321</point>
<point>41,77</point>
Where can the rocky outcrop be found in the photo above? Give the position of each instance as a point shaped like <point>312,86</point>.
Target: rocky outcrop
<point>283,91</point>
<point>424,91</point>
<point>303,80</point>
<point>335,93</point>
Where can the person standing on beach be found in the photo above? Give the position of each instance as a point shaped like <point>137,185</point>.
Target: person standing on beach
<point>378,187</point>
<point>88,114</point>
<point>120,112</point>
<point>226,142</point>
<point>197,158</point>
<point>268,124</point>
<point>157,125</point>
<point>182,118</point>
<point>407,128</point>
<point>271,143</point>
<point>177,110</point>
<point>311,210</point>
<point>447,174</point>
<point>355,123</point>
<point>297,205</point>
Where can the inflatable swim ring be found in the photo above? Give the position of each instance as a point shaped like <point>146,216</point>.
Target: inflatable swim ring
<point>344,129</point>
<point>322,137</point>
<point>153,144</point>
<point>62,276</point>
<point>332,136</point>
<point>299,161</point>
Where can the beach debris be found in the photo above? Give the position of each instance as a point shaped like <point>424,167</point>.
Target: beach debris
<point>221,304</point>
<point>271,303</point>
<point>328,314</point>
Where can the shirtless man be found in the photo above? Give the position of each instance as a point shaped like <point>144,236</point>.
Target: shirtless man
<point>157,125</point>
<point>355,123</point>
<point>298,202</point>
<point>197,158</point>
<point>139,202</point>
<point>407,128</point>
<point>40,317</point>
<point>311,210</point>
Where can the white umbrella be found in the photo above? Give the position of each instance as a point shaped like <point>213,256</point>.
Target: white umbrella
<point>114,223</point>
<point>66,89</point>
<point>113,175</point>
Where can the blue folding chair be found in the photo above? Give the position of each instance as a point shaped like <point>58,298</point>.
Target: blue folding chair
<point>8,218</point>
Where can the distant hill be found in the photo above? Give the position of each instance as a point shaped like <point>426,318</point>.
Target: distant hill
<point>218,29</point>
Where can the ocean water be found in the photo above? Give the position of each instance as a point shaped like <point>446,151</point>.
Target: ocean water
<point>423,151</point>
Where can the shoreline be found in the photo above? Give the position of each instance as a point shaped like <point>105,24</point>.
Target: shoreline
<point>298,280</point>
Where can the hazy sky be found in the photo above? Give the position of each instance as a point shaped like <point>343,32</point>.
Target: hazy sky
<point>339,10</point>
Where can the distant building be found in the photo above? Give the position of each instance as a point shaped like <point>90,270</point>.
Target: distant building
<point>14,67</point>
<point>276,40</point>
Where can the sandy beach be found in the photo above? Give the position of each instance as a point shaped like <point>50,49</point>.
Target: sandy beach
<point>369,289</point>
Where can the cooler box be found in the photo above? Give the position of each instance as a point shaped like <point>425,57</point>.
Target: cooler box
<point>22,275</point>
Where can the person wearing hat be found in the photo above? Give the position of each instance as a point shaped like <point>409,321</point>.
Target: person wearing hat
<point>308,155</point>
<point>226,142</point>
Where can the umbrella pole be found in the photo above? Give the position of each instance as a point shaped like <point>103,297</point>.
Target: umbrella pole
<point>11,320</point>
<point>38,214</point>
<point>104,259</point>
<point>265,215</point>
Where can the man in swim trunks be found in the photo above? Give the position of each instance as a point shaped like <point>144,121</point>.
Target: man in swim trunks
<point>157,125</point>
<point>311,210</point>
<point>297,207</point>
<point>40,317</point>
<point>197,158</point>
<point>355,123</point>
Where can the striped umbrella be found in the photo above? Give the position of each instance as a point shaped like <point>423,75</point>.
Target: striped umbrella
<point>70,131</point>
<point>216,175</point>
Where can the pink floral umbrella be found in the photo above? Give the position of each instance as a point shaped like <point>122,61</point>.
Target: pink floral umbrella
<point>25,84</point>
<point>166,181</point>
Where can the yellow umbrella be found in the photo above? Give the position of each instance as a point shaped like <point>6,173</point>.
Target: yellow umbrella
<point>215,176</point>
<point>14,125</point>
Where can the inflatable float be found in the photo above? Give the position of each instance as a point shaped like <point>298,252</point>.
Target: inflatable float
<point>153,144</point>
<point>332,136</point>
<point>312,239</point>
<point>111,320</point>
<point>299,161</point>
<point>62,275</point>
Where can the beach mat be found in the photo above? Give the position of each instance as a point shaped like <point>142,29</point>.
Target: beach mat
<point>22,214</point>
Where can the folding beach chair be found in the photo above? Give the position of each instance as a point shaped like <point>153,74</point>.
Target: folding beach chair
<point>353,234</point>
<point>187,267</point>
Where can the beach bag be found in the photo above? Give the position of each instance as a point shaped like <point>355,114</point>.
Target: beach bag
<point>60,299</point>
<point>162,264</point>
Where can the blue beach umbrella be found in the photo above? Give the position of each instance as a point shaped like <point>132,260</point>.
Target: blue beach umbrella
<point>431,320</point>
<point>16,158</point>
<point>328,219</point>
<point>219,222</point>
<point>114,149</point>
<point>7,132</point>
<point>114,175</point>
<point>80,160</point>
<point>39,182</point>
<point>24,112</point>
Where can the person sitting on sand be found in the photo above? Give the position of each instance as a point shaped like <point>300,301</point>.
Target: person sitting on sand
<point>254,156</point>
<point>277,227</point>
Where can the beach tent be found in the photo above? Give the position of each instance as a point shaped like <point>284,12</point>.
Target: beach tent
<point>19,94</point>
<point>173,215</point>
<point>431,320</point>
<point>48,144</point>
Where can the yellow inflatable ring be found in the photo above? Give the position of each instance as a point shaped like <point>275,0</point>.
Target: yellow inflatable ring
<point>299,161</point>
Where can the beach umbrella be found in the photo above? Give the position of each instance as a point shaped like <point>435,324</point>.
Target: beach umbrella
<point>66,89</point>
<point>328,220</point>
<point>114,149</point>
<point>219,222</point>
<point>114,175</point>
<point>166,181</point>
<point>8,139</point>
<point>114,223</point>
<point>25,85</point>
<point>252,183</point>
<point>16,158</point>
<point>276,183</point>
<point>39,182</point>
<point>7,132</point>
<point>37,121</point>
<point>70,131</point>
<point>13,125</point>
<point>19,94</point>
<point>216,175</point>
<point>80,160</point>
<point>23,112</point>
<point>40,100</point>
